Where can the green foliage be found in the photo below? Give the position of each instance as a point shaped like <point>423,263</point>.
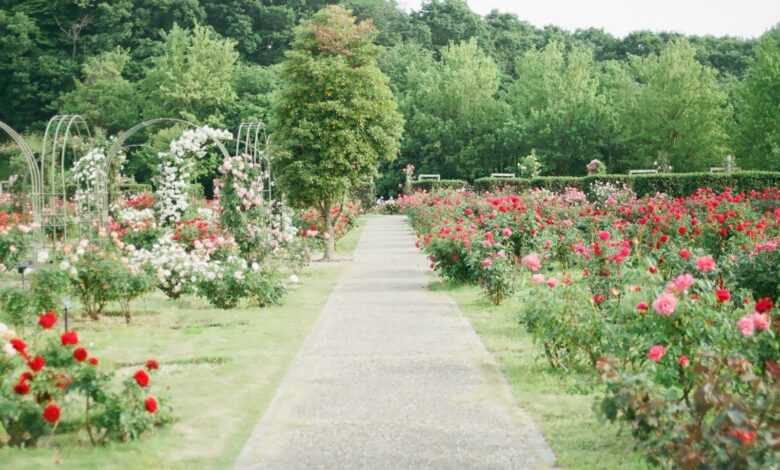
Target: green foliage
<point>757,133</point>
<point>192,78</point>
<point>674,184</point>
<point>672,108</point>
<point>105,97</point>
<point>558,108</point>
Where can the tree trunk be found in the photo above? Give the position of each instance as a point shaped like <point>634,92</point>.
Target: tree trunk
<point>330,235</point>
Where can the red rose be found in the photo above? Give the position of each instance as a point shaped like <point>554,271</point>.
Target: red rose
<point>26,376</point>
<point>684,254</point>
<point>94,361</point>
<point>22,388</point>
<point>19,344</point>
<point>37,363</point>
<point>80,354</point>
<point>682,230</point>
<point>652,269</point>
<point>599,299</point>
<point>764,305</point>
<point>723,295</point>
<point>745,437</point>
<point>152,364</point>
<point>69,338</point>
<point>151,404</point>
<point>51,413</point>
<point>642,307</point>
<point>683,361</point>
<point>604,235</point>
<point>47,320</point>
<point>142,378</point>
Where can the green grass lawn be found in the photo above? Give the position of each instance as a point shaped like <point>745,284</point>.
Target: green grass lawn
<point>555,400</point>
<point>220,369</point>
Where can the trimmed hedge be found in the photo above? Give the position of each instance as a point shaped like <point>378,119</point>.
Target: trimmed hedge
<point>434,185</point>
<point>674,184</point>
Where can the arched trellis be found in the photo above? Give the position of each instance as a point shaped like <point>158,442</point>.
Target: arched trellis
<point>32,168</point>
<point>253,141</point>
<point>119,144</point>
<point>52,191</point>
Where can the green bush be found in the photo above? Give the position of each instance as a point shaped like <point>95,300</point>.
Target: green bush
<point>434,185</point>
<point>674,184</point>
<point>514,185</point>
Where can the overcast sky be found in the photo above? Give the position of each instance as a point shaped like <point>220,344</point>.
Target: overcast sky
<point>744,18</point>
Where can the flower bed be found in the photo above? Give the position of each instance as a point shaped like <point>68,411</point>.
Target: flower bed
<point>668,301</point>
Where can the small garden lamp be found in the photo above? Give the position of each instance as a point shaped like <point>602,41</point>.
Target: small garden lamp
<point>66,306</point>
<point>22,268</point>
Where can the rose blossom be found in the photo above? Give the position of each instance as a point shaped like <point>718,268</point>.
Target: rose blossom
<point>552,282</point>
<point>723,295</point>
<point>761,321</point>
<point>764,305</point>
<point>642,307</point>
<point>656,353</point>
<point>681,283</point>
<point>683,361</point>
<point>705,264</point>
<point>604,235</point>
<point>746,325</point>
<point>487,263</point>
<point>665,304</point>
<point>538,279</point>
<point>532,262</point>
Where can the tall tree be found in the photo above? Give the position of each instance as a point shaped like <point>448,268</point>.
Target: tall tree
<point>450,21</point>
<point>452,112</point>
<point>558,108</point>
<point>335,117</point>
<point>192,78</point>
<point>673,109</point>
<point>757,136</point>
<point>105,97</point>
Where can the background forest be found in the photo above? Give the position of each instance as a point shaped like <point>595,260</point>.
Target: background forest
<point>477,93</point>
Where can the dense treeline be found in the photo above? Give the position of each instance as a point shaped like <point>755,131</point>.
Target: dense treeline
<point>477,93</point>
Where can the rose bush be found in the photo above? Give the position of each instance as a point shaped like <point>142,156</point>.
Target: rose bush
<point>46,373</point>
<point>669,301</point>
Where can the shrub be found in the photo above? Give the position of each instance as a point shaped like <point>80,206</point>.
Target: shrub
<point>44,374</point>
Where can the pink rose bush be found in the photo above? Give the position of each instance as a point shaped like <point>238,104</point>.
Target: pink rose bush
<point>665,300</point>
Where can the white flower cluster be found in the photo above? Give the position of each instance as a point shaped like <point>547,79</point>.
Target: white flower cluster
<point>90,175</point>
<point>176,169</point>
<point>135,217</point>
<point>194,141</point>
<point>177,270</point>
<point>6,335</point>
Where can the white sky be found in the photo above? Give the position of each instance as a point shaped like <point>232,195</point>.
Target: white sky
<point>743,18</point>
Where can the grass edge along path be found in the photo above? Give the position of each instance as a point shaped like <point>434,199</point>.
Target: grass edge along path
<point>563,413</point>
<point>220,370</point>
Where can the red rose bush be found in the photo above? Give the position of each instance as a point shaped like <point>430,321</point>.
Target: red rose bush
<point>50,377</point>
<point>670,302</point>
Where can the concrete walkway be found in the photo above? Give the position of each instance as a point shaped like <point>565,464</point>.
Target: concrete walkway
<point>393,377</point>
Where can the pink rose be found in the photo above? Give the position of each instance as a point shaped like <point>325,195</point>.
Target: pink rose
<point>761,321</point>
<point>507,232</point>
<point>705,264</point>
<point>552,282</point>
<point>487,263</point>
<point>683,361</point>
<point>656,353</point>
<point>604,235</point>
<point>665,304</point>
<point>746,325</point>
<point>538,279</point>
<point>680,284</point>
<point>532,262</point>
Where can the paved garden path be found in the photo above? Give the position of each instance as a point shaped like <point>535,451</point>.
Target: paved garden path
<point>393,376</point>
